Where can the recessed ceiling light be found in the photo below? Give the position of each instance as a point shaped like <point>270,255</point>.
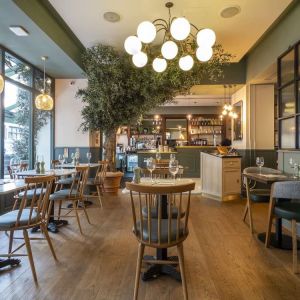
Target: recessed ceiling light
<point>18,30</point>
<point>230,11</point>
<point>111,16</point>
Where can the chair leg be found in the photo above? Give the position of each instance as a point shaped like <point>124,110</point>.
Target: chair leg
<point>99,195</point>
<point>270,220</point>
<point>11,238</point>
<point>249,205</point>
<point>138,270</point>
<point>30,257</point>
<point>49,211</point>
<point>46,234</point>
<point>75,207</point>
<point>245,212</point>
<point>295,248</point>
<point>182,271</point>
<point>59,209</point>
<point>85,212</point>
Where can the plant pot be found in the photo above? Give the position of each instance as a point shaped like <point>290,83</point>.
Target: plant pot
<point>112,182</point>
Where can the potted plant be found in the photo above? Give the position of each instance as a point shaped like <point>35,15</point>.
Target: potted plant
<point>118,93</point>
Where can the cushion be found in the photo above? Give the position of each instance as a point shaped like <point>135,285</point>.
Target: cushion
<point>65,181</point>
<point>9,219</point>
<point>164,230</point>
<point>154,213</point>
<point>288,210</point>
<point>260,195</point>
<point>63,194</point>
<point>92,181</point>
<point>30,193</point>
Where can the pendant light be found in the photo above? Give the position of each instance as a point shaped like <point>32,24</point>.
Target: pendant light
<point>1,83</point>
<point>44,101</point>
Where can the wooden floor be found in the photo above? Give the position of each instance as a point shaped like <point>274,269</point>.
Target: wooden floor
<point>223,260</point>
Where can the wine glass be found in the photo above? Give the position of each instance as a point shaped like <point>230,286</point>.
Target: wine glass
<point>73,158</point>
<point>158,156</point>
<point>260,162</point>
<point>172,157</point>
<point>89,156</point>
<point>151,166</point>
<point>61,160</point>
<point>174,168</point>
<point>293,164</point>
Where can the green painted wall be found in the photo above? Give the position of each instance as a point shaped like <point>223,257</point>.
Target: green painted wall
<point>278,39</point>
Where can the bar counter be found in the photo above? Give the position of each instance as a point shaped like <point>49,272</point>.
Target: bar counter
<point>188,157</point>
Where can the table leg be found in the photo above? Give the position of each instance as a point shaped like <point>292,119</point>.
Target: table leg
<point>248,205</point>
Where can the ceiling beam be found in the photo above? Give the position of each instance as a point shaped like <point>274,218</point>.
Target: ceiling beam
<point>45,16</point>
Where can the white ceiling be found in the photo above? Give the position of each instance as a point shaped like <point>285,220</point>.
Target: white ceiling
<point>237,34</point>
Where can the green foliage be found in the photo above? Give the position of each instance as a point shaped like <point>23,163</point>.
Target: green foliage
<point>118,93</point>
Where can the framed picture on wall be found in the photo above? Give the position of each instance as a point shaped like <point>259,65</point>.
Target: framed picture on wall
<point>66,152</point>
<point>238,121</point>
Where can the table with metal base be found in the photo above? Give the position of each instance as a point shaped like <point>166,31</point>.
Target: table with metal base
<point>156,270</point>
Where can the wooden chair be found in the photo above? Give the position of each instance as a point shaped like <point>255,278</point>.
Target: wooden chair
<point>286,210</point>
<point>98,180</point>
<point>10,172</point>
<point>75,195</point>
<point>254,194</point>
<point>163,231</point>
<point>28,216</point>
<point>54,163</point>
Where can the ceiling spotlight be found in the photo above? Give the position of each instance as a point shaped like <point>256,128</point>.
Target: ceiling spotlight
<point>19,30</point>
<point>111,16</point>
<point>230,11</point>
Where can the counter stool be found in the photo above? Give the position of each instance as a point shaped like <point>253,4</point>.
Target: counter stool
<point>285,210</point>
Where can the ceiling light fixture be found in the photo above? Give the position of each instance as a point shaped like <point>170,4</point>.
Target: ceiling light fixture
<point>178,40</point>
<point>44,101</point>
<point>19,30</point>
<point>1,83</point>
<point>230,11</point>
<point>111,16</point>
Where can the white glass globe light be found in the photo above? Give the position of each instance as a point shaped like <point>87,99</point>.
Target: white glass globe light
<point>169,50</point>
<point>225,107</point>
<point>180,28</point>
<point>146,32</point>
<point>229,107</point>
<point>224,112</point>
<point>230,114</point>
<point>159,64</point>
<point>132,45</point>
<point>206,37</point>
<point>186,63</point>
<point>204,53</point>
<point>140,59</point>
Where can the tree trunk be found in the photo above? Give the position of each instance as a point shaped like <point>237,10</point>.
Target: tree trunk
<point>110,149</point>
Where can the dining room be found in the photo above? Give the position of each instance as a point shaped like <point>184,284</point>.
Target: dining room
<point>149,149</point>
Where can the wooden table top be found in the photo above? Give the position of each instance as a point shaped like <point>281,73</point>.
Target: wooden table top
<point>270,178</point>
<point>10,185</point>
<point>55,172</point>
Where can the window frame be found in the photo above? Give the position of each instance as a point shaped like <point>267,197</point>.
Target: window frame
<point>33,92</point>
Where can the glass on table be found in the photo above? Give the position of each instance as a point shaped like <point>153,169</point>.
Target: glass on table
<point>174,168</point>
<point>294,165</point>
<point>150,163</point>
<point>89,156</point>
<point>61,160</point>
<point>260,161</point>
<point>158,156</point>
<point>172,157</point>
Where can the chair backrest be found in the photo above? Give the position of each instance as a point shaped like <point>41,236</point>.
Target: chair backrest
<point>10,172</point>
<point>23,167</point>
<point>286,190</point>
<point>54,163</point>
<point>264,170</point>
<point>158,226</point>
<point>79,181</point>
<point>102,169</point>
<point>162,162</point>
<point>41,188</point>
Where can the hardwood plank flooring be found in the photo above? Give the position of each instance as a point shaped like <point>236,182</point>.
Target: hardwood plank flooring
<point>223,260</point>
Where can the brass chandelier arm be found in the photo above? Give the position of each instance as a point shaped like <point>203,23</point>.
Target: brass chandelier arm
<point>163,20</point>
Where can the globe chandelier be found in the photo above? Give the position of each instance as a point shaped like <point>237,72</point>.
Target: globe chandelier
<point>178,41</point>
<point>44,101</point>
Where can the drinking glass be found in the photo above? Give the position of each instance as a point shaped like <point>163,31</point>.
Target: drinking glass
<point>151,166</point>
<point>61,160</point>
<point>158,156</point>
<point>172,157</point>
<point>174,168</point>
<point>260,162</point>
<point>89,156</point>
<point>296,170</point>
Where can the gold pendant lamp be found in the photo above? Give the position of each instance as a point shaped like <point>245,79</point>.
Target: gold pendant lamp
<point>44,101</point>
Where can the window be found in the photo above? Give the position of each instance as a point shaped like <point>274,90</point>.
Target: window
<point>27,131</point>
